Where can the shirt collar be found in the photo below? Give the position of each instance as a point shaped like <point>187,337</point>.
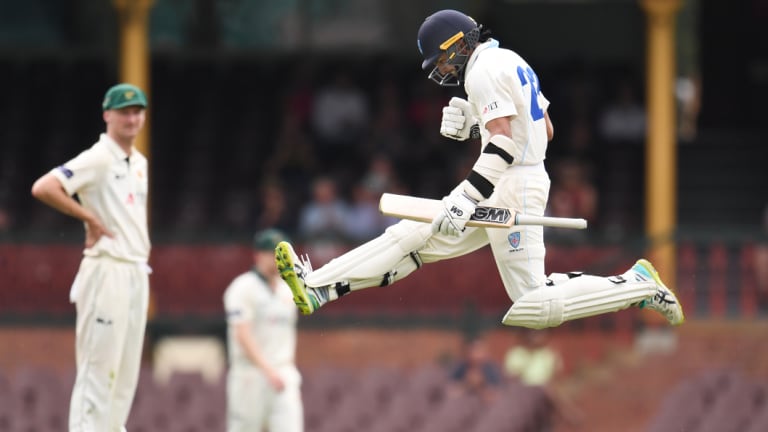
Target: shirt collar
<point>113,147</point>
<point>490,43</point>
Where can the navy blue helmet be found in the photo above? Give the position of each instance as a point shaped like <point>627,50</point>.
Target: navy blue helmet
<point>450,32</point>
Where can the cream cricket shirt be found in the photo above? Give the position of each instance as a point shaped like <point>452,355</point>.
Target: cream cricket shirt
<point>272,317</point>
<point>500,83</point>
<point>114,187</point>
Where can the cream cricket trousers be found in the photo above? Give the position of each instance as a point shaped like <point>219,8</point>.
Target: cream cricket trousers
<point>519,251</point>
<point>253,405</point>
<point>111,298</point>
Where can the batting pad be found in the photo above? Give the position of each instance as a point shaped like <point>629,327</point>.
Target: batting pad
<point>580,297</point>
<point>378,262</point>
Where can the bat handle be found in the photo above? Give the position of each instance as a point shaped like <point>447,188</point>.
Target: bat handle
<point>548,221</point>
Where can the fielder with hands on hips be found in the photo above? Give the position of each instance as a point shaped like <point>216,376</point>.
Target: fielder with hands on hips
<point>505,102</point>
<point>263,383</point>
<point>111,288</point>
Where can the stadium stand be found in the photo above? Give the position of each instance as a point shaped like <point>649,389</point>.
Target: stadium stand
<point>336,399</point>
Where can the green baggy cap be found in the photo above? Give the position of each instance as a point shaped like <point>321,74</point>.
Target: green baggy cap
<point>268,239</point>
<point>123,95</point>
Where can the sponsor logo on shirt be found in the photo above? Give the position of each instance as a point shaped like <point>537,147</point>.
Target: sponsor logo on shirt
<point>104,321</point>
<point>66,171</point>
<point>490,107</point>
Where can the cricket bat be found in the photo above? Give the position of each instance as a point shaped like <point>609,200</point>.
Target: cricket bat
<point>425,209</point>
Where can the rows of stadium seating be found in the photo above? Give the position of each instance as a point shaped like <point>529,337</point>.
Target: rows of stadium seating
<point>338,400</point>
<point>380,399</point>
<point>720,400</point>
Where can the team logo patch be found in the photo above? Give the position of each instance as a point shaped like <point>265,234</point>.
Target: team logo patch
<point>514,239</point>
<point>66,171</point>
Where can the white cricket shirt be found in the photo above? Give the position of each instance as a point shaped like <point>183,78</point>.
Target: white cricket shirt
<point>500,83</point>
<point>114,187</point>
<point>272,317</point>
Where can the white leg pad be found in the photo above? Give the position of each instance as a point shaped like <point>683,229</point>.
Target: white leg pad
<point>579,297</point>
<point>378,262</point>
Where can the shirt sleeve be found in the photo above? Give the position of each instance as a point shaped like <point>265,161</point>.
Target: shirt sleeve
<point>236,304</point>
<point>493,93</point>
<point>82,171</point>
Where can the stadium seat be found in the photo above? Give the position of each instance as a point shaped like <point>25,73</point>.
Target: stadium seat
<point>734,407</point>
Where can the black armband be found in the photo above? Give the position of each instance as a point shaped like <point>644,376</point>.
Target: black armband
<point>492,148</point>
<point>482,184</point>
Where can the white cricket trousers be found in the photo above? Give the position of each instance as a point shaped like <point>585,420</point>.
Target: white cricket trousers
<point>519,251</point>
<point>111,298</point>
<point>253,405</point>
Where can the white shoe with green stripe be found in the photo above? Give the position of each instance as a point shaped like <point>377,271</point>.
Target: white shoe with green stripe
<point>664,300</point>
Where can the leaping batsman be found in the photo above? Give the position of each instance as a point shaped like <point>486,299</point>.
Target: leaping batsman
<point>505,101</point>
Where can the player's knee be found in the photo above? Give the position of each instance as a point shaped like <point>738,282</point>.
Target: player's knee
<point>535,314</point>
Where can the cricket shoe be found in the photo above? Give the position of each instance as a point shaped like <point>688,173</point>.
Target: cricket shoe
<point>664,301</point>
<point>293,270</point>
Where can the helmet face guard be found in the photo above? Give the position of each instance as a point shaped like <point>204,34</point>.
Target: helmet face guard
<point>447,38</point>
<point>457,50</point>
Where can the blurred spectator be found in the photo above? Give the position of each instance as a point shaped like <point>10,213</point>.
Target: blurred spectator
<point>424,107</point>
<point>364,220</point>
<point>272,208</point>
<point>534,362</point>
<point>580,143</point>
<point>237,211</point>
<point>6,221</point>
<point>388,134</point>
<point>476,373</point>
<point>192,212</point>
<point>428,168</point>
<point>340,119</point>
<point>300,93</point>
<point>761,264</point>
<point>381,176</point>
<point>572,195</point>
<point>293,158</point>
<point>324,217</point>
<point>688,93</point>
<point>623,119</point>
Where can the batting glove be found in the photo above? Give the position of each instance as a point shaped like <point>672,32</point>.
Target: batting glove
<point>458,207</point>
<point>457,122</point>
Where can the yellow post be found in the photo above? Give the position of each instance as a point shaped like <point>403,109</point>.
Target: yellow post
<point>134,53</point>
<point>134,68</point>
<point>661,147</point>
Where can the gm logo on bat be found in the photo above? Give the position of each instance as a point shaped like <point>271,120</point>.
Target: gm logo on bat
<point>492,214</point>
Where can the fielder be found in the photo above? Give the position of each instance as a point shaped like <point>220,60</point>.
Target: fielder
<point>505,101</point>
<point>111,288</point>
<point>263,383</point>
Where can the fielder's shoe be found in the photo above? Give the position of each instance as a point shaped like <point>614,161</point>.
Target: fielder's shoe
<point>664,301</point>
<point>293,271</point>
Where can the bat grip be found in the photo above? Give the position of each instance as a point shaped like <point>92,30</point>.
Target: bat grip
<point>554,222</point>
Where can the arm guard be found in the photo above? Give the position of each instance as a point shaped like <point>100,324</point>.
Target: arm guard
<point>493,161</point>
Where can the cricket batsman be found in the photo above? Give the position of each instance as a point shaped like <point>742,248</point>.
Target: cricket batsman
<point>505,101</point>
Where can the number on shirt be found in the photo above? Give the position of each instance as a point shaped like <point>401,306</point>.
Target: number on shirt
<point>528,75</point>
